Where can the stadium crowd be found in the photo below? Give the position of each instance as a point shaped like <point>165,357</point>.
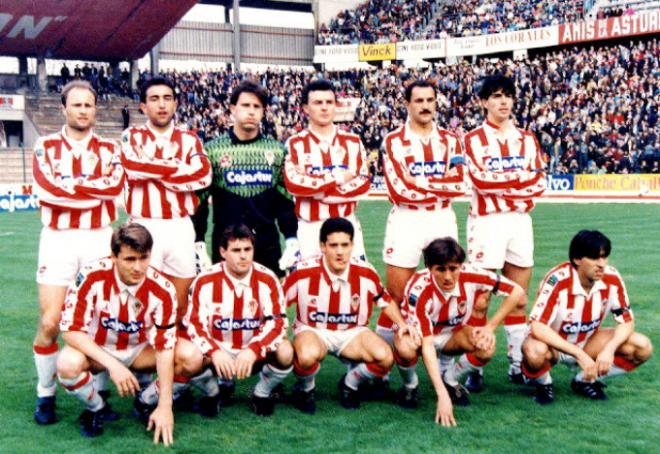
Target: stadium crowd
<point>394,20</point>
<point>594,110</point>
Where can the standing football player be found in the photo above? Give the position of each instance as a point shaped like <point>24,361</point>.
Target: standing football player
<point>326,170</point>
<point>248,186</point>
<point>506,169</point>
<point>77,177</point>
<point>165,165</point>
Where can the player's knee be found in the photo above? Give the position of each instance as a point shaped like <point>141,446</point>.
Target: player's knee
<point>307,355</point>
<point>49,326</point>
<point>69,365</point>
<point>534,352</point>
<point>188,360</point>
<point>643,347</point>
<point>382,355</point>
<point>284,354</point>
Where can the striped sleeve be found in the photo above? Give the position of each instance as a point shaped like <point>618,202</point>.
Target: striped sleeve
<point>110,185</point>
<point>140,167</point>
<point>79,304</point>
<point>357,186</point>
<point>484,180</point>
<point>162,335</point>
<point>193,173</point>
<point>618,297</point>
<point>297,181</point>
<point>399,190</point>
<point>547,299</point>
<point>452,184</point>
<point>197,318</point>
<point>274,324</point>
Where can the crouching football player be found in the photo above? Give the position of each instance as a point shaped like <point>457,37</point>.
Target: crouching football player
<point>444,302</point>
<point>119,317</point>
<point>334,295</point>
<point>237,322</point>
<point>572,301</point>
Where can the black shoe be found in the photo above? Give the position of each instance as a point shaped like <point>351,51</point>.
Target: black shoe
<point>376,389</point>
<point>474,382</point>
<point>226,394</point>
<point>141,410</point>
<point>44,414</point>
<point>184,402</point>
<point>278,394</point>
<point>407,397</point>
<point>516,376</point>
<point>105,394</point>
<point>208,406</point>
<point>544,394</point>
<point>593,390</point>
<point>262,406</point>
<point>91,423</point>
<point>107,412</point>
<point>458,394</point>
<point>303,400</point>
<point>348,398</point>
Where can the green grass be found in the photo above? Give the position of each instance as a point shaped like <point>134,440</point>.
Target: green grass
<point>501,419</point>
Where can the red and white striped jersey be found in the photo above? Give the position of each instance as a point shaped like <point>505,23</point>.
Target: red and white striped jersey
<point>430,160</point>
<point>308,174</point>
<point>77,182</point>
<point>164,171</point>
<point>436,312</point>
<point>120,317</point>
<point>506,169</point>
<point>564,305</point>
<point>224,312</point>
<point>327,301</point>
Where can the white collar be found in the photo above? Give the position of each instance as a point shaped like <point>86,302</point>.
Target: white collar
<point>579,290</point>
<point>242,282</point>
<point>456,291</point>
<point>410,134</point>
<point>123,287</point>
<point>164,135</point>
<point>77,143</point>
<point>335,278</point>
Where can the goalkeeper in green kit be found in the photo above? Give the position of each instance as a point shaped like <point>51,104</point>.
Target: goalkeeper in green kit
<point>248,187</point>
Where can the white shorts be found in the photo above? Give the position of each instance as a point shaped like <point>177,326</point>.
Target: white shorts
<point>335,340</point>
<point>408,232</point>
<point>308,238</point>
<point>387,334</point>
<point>501,237</point>
<point>127,357</point>
<point>440,341</point>
<point>173,252</point>
<point>63,252</point>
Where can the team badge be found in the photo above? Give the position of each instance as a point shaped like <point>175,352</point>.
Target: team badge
<point>225,161</point>
<point>270,157</point>
<point>552,280</point>
<point>92,160</point>
<point>253,305</point>
<point>355,302</point>
<point>137,306</point>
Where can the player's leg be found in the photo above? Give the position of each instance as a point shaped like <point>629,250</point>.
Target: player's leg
<point>375,361</point>
<point>538,358</point>
<point>632,353</point>
<point>73,371</point>
<point>518,263</point>
<point>51,300</point>
<point>309,350</point>
<point>406,355</point>
<point>359,250</point>
<point>308,238</point>
<point>278,366</point>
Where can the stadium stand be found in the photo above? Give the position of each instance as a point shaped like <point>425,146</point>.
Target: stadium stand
<point>595,110</point>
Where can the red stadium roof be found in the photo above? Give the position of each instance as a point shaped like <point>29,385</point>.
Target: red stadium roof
<point>86,29</point>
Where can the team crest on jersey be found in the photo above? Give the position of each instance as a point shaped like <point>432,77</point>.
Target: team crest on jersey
<point>355,302</point>
<point>552,280</point>
<point>270,157</point>
<point>137,306</point>
<point>225,161</point>
<point>92,160</point>
<point>253,305</point>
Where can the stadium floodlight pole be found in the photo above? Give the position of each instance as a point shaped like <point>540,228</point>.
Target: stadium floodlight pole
<point>237,36</point>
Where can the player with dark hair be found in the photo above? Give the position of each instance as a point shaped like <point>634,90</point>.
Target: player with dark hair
<point>78,178</point>
<point>248,186</point>
<point>334,295</point>
<point>565,322</point>
<point>165,165</point>
<point>236,318</point>
<point>506,170</point>
<point>423,167</point>
<point>443,302</point>
<point>326,170</point>
<point>120,316</point>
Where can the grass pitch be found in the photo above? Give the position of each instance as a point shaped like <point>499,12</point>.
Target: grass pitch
<point>501,419</point>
